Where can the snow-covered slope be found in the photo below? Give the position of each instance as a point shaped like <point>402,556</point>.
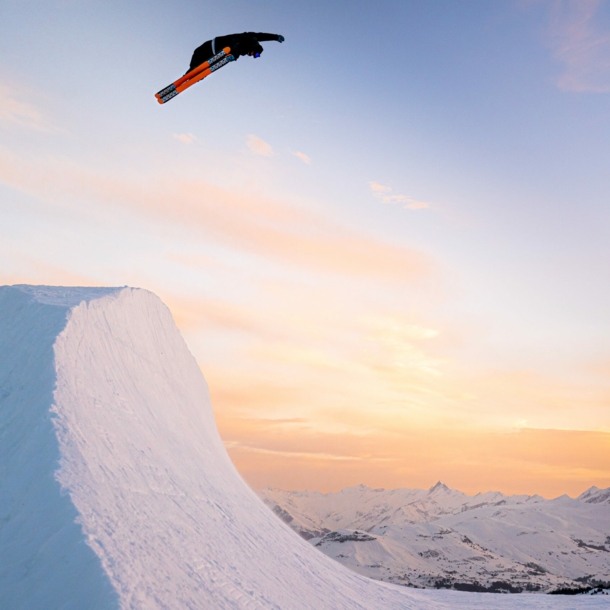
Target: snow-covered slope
<point>115,488</point>
<point>441,537</point>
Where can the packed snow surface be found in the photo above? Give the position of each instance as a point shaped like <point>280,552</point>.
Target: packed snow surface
<point>116,490</point>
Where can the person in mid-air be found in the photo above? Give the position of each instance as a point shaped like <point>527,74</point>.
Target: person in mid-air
<point>248,43</point>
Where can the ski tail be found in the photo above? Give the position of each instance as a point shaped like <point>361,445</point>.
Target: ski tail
<point>195,75</point>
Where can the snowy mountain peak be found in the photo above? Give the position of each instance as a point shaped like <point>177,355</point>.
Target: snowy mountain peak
<point>439,487</point>
<point>536,498</point>
<point>595,495</point>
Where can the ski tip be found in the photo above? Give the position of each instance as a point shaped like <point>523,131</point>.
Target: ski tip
<point>164,99</point>
<point>166,91</point>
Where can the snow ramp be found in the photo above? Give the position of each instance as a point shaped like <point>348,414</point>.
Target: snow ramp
<point>116,490</point>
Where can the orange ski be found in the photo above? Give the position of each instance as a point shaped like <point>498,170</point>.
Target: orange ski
<point>195,75</point>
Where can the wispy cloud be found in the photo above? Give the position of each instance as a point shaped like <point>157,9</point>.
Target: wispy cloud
<point>201,312</point>
<point>192,260</point>
<point>548,462</point>
<point>35,271</point>
<point>579,41</point>
<point>187,138</point>
<point>476,459</point>
<point>303,157</point>
<point>384,193</point>
<point>275,230</point>
<point>379,189</point>
<point>258,146</point>
<point>17,111</point>
<point>318,378</point>
<point>235,445</point>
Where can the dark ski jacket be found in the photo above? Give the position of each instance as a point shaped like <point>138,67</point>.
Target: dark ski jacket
<point>241,44</point>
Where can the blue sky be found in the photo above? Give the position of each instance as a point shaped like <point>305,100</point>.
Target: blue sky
<point>437,165</point>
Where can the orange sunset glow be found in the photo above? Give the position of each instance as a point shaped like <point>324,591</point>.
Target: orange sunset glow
<point>390,272</point>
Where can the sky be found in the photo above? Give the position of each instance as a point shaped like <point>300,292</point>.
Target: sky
<point>386,241</point>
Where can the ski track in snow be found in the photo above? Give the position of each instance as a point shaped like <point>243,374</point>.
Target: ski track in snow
<point>116,490</point>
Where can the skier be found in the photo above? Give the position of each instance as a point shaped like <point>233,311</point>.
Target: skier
<point>247,43</point>
<point>214,54</point>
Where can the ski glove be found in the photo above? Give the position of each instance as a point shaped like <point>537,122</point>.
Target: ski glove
<point>280,38</point>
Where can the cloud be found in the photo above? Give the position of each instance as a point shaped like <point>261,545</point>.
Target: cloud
<point>393,346</point>
<point>15,111</point>
<point>235,445</point>
<point>379,188</point>
<point>367,381</point>
<point>35,271</point>
<point>201,312</point>
<point>547,462</point>
<point>417,205</point>
<point>258,146</point>
<point>192,260</point>
<point>578,41</point>
<point>303,157</point>
<point>383,192</point>
<point>275,230</point>
<point>187,138</point>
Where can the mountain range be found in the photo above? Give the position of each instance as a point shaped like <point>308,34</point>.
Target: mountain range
<point>443,538</point>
